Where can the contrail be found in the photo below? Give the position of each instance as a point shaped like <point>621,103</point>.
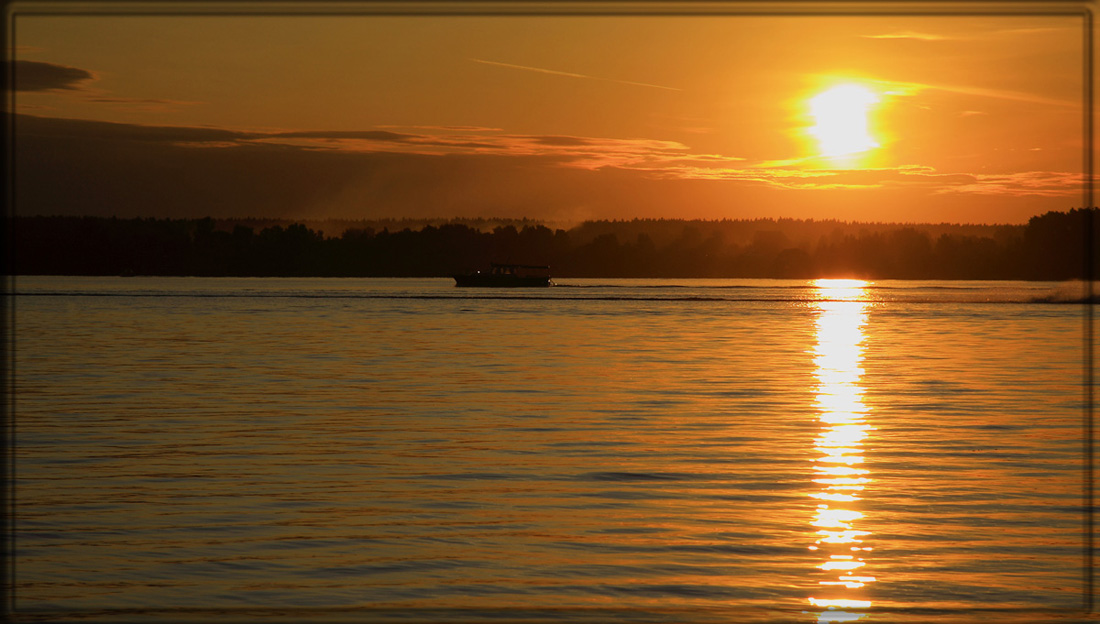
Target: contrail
<point>1002,94</point>
<point>572,75</point>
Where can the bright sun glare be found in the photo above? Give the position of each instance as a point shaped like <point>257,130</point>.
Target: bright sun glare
<point>840,116</point>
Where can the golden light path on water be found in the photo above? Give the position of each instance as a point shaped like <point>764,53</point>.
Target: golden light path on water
<point>838,453</point>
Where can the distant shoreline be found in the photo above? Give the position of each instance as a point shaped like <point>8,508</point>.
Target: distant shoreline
<point>1050,247</point>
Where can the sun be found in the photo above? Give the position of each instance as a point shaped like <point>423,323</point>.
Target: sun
<point>840,116</point>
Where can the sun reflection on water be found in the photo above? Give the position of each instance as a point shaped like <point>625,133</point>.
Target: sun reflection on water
<point>838,353</point>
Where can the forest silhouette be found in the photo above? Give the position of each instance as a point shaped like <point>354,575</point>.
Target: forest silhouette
<point>1053,246</point>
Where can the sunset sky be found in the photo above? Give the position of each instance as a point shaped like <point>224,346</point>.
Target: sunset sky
<point>880,116</point>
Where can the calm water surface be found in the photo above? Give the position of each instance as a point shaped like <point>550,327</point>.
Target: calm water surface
<point>604,450</point>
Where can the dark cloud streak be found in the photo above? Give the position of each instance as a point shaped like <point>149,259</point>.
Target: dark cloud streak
<point>561,141</point>
<point>52,127</point>
<point>371,135</point>
<point>39,76</point>
<point>82,167</point>
<point>79,167</point>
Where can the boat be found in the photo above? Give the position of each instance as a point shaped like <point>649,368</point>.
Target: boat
<point>507,276</point>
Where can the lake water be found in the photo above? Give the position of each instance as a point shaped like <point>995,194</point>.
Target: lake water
<point>604,450</point>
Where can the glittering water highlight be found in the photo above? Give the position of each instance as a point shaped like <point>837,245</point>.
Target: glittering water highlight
<point>840,467</point>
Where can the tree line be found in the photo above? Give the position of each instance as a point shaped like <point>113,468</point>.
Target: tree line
<point>1053,246</point>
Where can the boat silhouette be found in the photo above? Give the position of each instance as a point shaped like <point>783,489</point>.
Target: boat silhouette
<point>507,276</point>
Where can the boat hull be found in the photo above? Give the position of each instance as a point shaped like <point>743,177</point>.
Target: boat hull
<point>489,280</point>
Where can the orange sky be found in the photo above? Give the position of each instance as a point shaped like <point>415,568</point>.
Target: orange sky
<point>974,118</point>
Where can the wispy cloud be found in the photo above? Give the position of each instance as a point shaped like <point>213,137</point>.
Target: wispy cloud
<point>913,35</point>
<point>1025,183</point>
<point>647,158</point>
<point>909,34</point>
<point>246,171</point>
<point>451,128</point>
<point>912,178</point>
<point>555,72</point>
<point>372,135</point>
<point>1004,94</point>
<point>892,87</point>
